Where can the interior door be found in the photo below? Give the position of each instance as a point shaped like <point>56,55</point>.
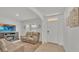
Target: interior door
<point>52,31</point>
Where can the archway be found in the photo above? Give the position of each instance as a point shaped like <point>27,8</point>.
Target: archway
<point>44,23</point>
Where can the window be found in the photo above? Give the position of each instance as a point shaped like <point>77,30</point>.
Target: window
<point>31,27</point>
<point>34,26</point>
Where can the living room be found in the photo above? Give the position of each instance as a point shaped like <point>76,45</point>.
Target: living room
<point>39,29</point>
<point>16,22</point>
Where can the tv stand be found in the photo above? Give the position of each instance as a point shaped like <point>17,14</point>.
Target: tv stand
<point>10,36</point>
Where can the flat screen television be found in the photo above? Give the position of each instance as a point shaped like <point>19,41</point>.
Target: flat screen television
<point>7,27</point>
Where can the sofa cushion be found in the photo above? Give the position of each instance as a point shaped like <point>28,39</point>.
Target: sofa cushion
<point>28,34</point>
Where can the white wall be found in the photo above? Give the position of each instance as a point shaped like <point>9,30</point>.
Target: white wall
<point>11,21</point>
<point>73,39</point>
<point>71,35</point>
<point>56,30</point>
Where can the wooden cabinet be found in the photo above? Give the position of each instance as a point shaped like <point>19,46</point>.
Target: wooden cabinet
<point>10,36</point>
<point>73,19</point>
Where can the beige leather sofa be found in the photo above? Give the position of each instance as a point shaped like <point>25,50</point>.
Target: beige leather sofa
<point>19,46</point>
<point>28,43</point>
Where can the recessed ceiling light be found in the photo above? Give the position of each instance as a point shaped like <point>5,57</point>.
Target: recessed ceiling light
<point>17,14</point>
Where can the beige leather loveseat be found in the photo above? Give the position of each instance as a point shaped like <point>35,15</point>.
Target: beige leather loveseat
<point>31,37</point>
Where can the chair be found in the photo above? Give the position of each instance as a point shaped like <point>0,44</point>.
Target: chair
<point>31,37</point>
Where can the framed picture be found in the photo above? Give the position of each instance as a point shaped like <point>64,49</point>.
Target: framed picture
<point>73,19</point>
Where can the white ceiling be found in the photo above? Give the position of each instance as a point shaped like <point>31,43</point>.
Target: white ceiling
<point>19,13</point>
<point>50,11</point>
<point>25,13</point>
